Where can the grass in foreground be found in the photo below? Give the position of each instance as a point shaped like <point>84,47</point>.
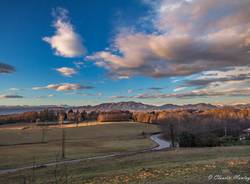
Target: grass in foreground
<point>191,165</point>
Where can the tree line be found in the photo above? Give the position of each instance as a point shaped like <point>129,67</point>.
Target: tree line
<point>199,127</point>
<point>44,115</point>
<point>50,115</point>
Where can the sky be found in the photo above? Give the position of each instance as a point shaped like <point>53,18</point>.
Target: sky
<point>74,52</point>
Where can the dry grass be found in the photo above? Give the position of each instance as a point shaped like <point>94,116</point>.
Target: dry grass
<point>176,166</point>
<point>20,147</point>
<point>190,165</point>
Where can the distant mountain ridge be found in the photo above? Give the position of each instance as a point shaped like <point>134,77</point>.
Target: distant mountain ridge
<point>25,108</point>
<point>118,106</point>
<point>129,105</point>
<point>137,106</point>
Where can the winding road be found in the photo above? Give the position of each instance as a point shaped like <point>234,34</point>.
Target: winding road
<point>161,144</point>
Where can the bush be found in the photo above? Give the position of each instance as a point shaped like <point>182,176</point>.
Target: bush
<point>186,139</point>
<point>228,141</point>
<point>207,140</point>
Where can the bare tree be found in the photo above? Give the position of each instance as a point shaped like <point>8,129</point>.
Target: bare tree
<point>169,125</point>
<point>172,134</point>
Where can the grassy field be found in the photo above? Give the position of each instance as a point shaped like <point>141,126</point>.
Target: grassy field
<point>190,165</point>
<point>22,147</point>
<point>175,166</point>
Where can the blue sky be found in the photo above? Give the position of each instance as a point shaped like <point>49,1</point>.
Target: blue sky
<point>156,52</point>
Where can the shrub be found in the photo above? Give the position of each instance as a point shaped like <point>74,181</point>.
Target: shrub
<point>186,139</point>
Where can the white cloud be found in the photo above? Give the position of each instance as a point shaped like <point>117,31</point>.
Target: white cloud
<point>66,71</point>
<point>188,37</point>
<point>63,87</point>
<point>229,73</point>
<point>14,89</point>
<point>99,94</point>
<point>233,82</point>
<point>179,89</point>
<point>216,78</point>
<point>66,42</point>
<point>123,77</point>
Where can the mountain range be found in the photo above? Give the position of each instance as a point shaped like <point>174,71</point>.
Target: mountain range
<point>137,106</point>
<point>130,105</point>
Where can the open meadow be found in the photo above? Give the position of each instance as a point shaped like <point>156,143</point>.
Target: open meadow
<point>192,165</point>
<point>23,147</point>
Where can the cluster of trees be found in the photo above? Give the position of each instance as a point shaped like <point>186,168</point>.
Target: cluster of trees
<point>114,116</point>
<point>99,116</point>
<point>199,128</point>
<point>77,116</point>
<point>50,115</point>
<point>45,115</point>
<point>146,117</point>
